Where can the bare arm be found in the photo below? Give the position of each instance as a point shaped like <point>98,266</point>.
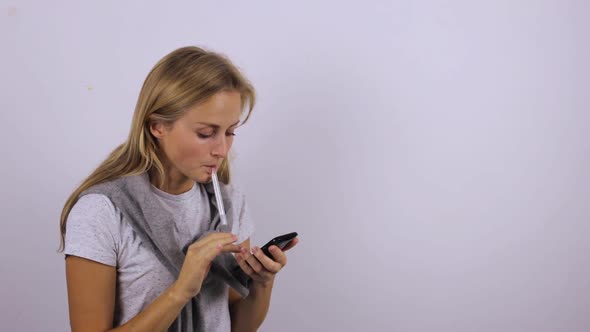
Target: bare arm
<point>91,295</point>
<point>92,286</point>
<point>249,313</point>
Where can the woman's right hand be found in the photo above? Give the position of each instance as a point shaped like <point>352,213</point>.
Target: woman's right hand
<point>198,260</point>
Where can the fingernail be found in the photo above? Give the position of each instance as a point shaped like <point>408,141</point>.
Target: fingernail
<point>254,249</point>
<point>234,237</point>
<point>242,249</point>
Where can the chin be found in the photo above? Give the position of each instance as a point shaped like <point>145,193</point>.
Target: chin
<point>204,180</point>
<point>201,177</point>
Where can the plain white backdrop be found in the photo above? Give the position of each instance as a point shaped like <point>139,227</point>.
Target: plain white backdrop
<point>433,155</point>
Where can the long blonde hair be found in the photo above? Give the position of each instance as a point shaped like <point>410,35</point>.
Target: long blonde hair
<point>183,78</point>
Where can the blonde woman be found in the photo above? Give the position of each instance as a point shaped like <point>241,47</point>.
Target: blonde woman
<point>142,253</point>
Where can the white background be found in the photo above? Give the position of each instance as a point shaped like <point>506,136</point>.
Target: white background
<point>433,155</point>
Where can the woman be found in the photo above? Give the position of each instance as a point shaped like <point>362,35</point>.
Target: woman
<point>121,279</point>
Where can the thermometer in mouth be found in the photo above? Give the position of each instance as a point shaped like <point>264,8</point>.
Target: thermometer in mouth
<point>218,199</point>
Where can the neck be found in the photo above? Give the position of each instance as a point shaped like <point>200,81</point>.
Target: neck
<point>175,183</point>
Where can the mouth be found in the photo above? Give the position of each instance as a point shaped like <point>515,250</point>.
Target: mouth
<point>210,168</point>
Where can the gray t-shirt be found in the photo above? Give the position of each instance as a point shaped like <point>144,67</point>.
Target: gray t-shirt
<point>94,231</point>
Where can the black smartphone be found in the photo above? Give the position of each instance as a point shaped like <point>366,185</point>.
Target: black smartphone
<point>280,241</point>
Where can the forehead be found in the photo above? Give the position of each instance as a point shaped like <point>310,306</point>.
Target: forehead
<point>222,109</point>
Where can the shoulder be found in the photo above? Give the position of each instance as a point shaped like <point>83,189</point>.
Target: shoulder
<point>91,204</point>
<point>94,213</point>
<point>93,230</point>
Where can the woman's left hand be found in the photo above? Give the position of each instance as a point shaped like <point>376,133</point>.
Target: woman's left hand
<point>261,268</point>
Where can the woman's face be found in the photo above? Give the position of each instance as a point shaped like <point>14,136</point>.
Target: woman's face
<point>200,139</point>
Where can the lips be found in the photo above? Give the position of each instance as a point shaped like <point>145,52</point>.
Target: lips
<point>211,167</point>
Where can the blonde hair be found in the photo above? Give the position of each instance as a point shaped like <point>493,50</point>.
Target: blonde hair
<point>183,78</point>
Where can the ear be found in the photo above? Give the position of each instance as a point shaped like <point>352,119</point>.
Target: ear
<point>158,129</point>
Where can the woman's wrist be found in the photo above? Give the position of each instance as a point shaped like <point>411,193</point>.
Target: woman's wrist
<point>264,284</point>
<point>177,295</point>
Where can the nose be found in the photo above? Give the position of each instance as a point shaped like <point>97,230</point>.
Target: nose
<point>221,148</point>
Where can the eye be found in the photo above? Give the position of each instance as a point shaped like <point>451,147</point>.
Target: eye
<point>210,135</point>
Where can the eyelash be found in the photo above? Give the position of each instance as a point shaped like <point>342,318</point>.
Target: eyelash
<point>209,136</point>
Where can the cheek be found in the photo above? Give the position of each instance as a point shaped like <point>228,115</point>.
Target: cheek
<point>188,150</point>
<point>194,149</point>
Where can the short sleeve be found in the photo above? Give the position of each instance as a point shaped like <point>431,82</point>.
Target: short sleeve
<point>91,230</point>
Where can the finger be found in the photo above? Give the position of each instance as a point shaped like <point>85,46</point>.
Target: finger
<point>208,253</point>
<point>266,261</point>
<point>278,255</point>
<point>214,240</point>
<point>211,251</point>
<point>243,265</point>
<point>258,270</point>
<point>220,237</point>
<point>245,253</point>
<point>231,248</point>
<point>255,264</point>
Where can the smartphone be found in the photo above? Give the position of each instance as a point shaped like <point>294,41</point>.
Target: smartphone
<point>280,241</point>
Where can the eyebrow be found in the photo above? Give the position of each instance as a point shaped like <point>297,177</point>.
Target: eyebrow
<point>216,126</point>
